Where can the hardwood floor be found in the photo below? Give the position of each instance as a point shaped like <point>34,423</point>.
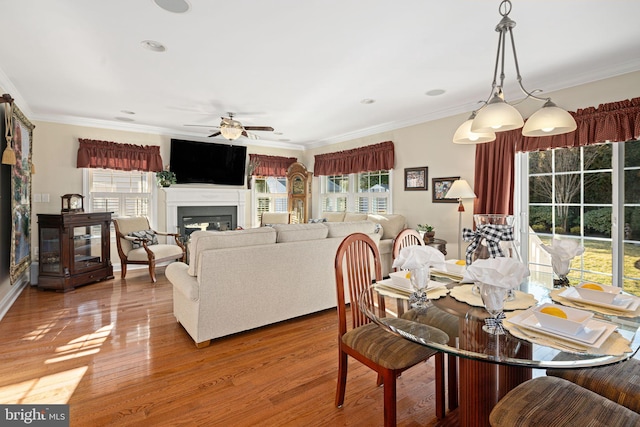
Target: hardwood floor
<point>114,352</point>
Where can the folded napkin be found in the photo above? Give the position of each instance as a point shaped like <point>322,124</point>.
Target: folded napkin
<point>412,257</point>
<point>562,251</point>
<point>502,272</point>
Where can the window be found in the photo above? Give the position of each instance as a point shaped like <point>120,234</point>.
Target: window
<point>270,195</point>
<point>580,193</point>
<point>125,193</point>
<point>367,192</point>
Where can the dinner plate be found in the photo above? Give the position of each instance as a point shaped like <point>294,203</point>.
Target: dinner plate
<point>627,303</point>
<point>388,283</point>
<point>594,334</point>
<point>446,274</point>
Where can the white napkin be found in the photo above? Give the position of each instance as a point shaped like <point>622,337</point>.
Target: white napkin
<point>562,251</point>
<point>412,257</point>
<point>501,271</point>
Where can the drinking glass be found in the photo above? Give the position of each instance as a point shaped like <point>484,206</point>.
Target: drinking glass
<point>493,298</point>
<point>419,283</point>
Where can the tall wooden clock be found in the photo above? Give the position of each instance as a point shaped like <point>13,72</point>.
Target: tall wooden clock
<point>299,192</point>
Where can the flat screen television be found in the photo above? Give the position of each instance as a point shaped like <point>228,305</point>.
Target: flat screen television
<point>207,162</point>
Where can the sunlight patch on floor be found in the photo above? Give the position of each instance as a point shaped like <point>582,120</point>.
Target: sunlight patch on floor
<point>53,389</point>
<point>82,346</point>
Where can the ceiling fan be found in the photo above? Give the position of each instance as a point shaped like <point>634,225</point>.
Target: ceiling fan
<point>232,129</point>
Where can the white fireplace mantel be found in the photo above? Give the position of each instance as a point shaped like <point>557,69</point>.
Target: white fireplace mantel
<point>170,198</point>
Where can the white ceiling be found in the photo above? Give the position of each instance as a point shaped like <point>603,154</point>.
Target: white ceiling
<point>301,66</point>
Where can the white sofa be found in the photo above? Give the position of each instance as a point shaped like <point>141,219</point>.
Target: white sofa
<point>391,225</point>
<point>244,279</point>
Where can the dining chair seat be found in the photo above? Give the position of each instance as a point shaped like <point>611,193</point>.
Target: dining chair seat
<point>553,401</point>
<point>387,350</point>
<point>619,382</point>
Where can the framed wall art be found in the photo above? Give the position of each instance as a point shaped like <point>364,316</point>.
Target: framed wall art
<point>416,178</point>
<point>440,188</point>
<point>21,194</point>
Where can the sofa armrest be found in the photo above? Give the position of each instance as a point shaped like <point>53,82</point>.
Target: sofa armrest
<point>178,275</point>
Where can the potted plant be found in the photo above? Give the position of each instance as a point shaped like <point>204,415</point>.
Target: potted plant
<point>427,232</point>
<point>165,178</point>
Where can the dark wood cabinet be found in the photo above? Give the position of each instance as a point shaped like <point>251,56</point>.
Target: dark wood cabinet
<point>74,250</point>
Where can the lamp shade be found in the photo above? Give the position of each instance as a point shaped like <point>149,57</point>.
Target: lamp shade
<point>464,135</point>
<point>460,189</point>
<point>549,120</point>
<point>497,116</point>
<point>231,129</point>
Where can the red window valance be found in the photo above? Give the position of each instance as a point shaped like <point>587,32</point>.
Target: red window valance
<point>113,155</point>
<point>363,159</point>
<point>614,122</point>
<point>270,165</point>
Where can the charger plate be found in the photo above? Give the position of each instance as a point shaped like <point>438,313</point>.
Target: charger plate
<point>559,296</point>
<point>386,287</point>
<point>464,293</point>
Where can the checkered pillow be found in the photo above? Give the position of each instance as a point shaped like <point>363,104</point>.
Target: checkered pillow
<point>148,235</point>
<point>317,220</point>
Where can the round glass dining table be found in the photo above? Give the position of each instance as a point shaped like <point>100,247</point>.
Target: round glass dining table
<point>486,366</point>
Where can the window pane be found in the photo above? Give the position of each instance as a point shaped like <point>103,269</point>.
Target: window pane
<point>597,221</point>
<point>568,187</point>
<point>631,154</point>
<point>598,262</point>
<point>567,220</point>
<point>540,162</point>
<point>567,159</point>
<point>337,184</point>
<point>540,218</point>
<point>597,156</point>
<point>632,223</point>
<point>540,189</point>
<point>597,187</point>
<point>632,186</point>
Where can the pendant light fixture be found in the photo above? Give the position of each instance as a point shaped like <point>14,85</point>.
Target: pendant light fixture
<point>497,115</point>
<point>231,129</point>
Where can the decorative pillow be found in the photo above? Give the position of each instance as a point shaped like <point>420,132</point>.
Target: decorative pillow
<point>149,235</point>
<point>317,220</point>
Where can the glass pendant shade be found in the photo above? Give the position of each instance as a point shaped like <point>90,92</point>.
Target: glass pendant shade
<point>549,120</point>
<point>497,116</point>
<point>231,129</point>
<point>464,135</point>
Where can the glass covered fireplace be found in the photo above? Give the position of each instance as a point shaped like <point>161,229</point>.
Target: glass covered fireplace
<point>195,218</point>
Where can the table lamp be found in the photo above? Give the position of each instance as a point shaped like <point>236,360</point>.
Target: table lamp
<point>460,189</point>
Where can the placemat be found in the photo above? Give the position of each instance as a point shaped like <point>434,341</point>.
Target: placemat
<point>434,293</point>
<point>614,345</point>
<point>465,294</point>
<point>555,295</point>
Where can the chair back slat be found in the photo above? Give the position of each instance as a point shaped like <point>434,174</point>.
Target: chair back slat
<point>357,266</point>
<point>407,237</point>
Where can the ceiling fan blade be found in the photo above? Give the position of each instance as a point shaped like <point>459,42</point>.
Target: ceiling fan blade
<point>265,128</point>
<point>204,126</point>
<point>214,135</point>
<point>244,133</point>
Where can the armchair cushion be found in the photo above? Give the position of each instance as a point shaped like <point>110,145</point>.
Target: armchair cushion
<point>159,251</point>
<point>148,235</point>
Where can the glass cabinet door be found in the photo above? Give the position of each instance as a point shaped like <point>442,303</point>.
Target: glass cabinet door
<point>87,247</point>
<point>50,250</point>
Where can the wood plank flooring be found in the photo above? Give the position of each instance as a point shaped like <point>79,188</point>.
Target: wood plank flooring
<point>114,352</point>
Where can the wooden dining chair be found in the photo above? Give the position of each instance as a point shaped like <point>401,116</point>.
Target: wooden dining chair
<point>357,262</point>
<point>407,237</point>
<point>410,237</point>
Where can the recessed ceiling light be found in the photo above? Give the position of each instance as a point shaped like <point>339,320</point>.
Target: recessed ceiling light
<point>153,45</point>
<point>367,101</point>
<point>277,133</point>
<point>175,6</point>
<point>124,119</point>
<point>127,112</point>
<point>436,92</point>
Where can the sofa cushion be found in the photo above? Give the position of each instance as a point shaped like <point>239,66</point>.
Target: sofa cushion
<point>351,216</point>
<point>298,232</point>
<point>343,229</point>
<point>203,240</point>
<point>333,216</point>
<point>391,223</point>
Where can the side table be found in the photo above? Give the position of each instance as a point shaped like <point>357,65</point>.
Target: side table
<point>439,244</point>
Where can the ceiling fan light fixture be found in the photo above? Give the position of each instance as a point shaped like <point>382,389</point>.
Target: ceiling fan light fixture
<point>549,120</point>
<point>464,135</point>
<point>231,129</point>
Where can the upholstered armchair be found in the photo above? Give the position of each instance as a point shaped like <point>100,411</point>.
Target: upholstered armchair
<point>275,218</point>
<point>138,244</point>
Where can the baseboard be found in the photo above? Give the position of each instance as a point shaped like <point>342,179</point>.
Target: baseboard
<point>13,294</point>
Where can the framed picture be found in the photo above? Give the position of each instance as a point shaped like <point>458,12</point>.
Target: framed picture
<point>440,188</point>
<point>21,195</point>
<point>415,178</point>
